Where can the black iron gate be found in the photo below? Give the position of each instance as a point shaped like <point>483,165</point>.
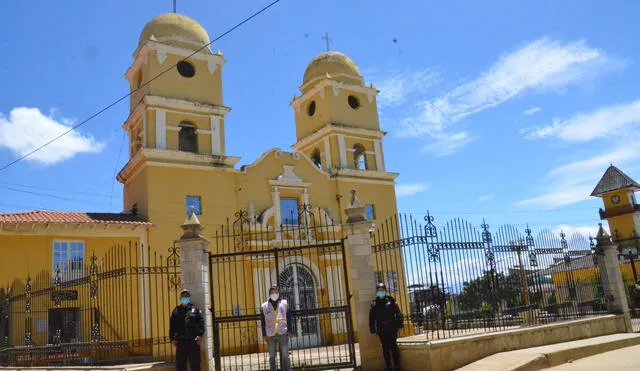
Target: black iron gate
<point>459,279</point>
<point>306,259</point>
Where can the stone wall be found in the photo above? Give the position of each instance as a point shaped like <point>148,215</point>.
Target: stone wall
<point>450,354</point>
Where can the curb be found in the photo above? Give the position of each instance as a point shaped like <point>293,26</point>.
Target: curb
<point>539,358</point>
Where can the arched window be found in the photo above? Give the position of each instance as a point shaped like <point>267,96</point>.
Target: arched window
<point>359,157</point>
<point>315,157</point>
<point>188,138</point>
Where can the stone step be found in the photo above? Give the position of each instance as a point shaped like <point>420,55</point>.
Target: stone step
<point>542,357</point>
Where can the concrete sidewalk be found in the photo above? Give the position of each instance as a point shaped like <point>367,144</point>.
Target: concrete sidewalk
<point>539,358</point>
<point>620,359</point>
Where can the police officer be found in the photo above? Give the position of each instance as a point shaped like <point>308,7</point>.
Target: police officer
<point>275,320</point>
<point>186,328</point>
<point>385,320</point>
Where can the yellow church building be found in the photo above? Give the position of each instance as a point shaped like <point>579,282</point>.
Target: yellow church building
<point>179,161</point>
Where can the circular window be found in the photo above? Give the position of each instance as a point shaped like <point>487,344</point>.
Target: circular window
<point>186,69</point>
<point>312,108</point>
<point>353,102</point>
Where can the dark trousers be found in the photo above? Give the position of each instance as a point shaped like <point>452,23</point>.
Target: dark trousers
<point>390,348</point>
<point>187,351</point>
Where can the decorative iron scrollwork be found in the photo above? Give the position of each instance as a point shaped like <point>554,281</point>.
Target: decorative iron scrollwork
<point>430,229</point>
<point>57,337</point>
<point>486,235</point>
<point>93,272</point>
<point>27,295</point>
<point>490,259</point>
<point>95,331</point>
<point>173,259</point>
<point>563,241</point>
<point>533,258</point>
<point>529,239</point>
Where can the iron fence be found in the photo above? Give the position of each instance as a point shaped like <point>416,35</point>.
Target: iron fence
<point>458,279</point>
<point>306,259</point>
<point>113,308</point>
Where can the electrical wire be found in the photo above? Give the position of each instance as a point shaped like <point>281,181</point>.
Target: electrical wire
<point>6,166</point>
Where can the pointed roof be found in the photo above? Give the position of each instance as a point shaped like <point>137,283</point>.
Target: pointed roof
<point>612,180</point>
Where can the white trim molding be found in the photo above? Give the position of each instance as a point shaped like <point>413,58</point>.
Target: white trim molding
<point>327,153</point>
<point>185,105</point>
<point>216,137</point>
<point>161,129</point>
<point>342,150</point>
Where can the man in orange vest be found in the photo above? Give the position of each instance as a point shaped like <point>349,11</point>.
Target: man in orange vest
<point>275,319</point>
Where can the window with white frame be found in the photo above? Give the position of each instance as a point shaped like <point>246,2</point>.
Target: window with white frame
<point>68,258</point>
<point>289,211</point>
<point>370,212</point>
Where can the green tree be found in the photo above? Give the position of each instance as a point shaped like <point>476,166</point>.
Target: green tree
<point>491,287</point>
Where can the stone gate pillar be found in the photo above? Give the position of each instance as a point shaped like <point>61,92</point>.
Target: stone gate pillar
<point>611,276</point>
<point>194,265</point>
<point>362,273</point>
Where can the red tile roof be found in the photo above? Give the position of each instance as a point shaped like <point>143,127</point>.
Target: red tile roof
<point>61,217</point>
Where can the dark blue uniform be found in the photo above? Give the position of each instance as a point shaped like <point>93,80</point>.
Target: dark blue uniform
<point>385,320</point>
<point>186,323</point>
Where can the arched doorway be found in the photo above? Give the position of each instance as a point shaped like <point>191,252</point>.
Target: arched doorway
<point>298,287</point>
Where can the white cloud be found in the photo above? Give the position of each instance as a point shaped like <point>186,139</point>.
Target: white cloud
<point>27,128</point>
<point>403,190</point>
<point>574,182</point>
<point>447,144</point>
<point>544,64</point>
<point>485,198</point>
<point>582,127</point>
<point>400,88</point>
<point>541,66</point>
<point>584,231</point>
<point>531,111</point>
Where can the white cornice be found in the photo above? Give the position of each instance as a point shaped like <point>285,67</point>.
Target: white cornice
<point>329,77</point>
<point>141,54</point>
<point>186,105</point>
<point>335,129</point>
<point>336,86</point>
<point>76,230</point>
<point>165,157</point>
<point>364,174</point>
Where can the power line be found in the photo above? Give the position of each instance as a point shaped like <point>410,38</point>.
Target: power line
<point>53,189</point>
<point>140,87</point>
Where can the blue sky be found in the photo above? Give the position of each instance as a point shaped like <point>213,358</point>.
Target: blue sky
<point>495,109</point>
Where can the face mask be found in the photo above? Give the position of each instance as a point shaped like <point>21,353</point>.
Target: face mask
<point>274,297</point>
<point>381,294</point>
<point>185,301</point>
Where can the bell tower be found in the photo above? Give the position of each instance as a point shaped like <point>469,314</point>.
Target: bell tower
<point>176,116</point>
<point>621,209</point>
<point>336,117</point>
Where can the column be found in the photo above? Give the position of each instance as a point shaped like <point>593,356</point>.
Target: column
<point>327,153</point>
<point>611,277</point>
<point>216,147</point>
<point>378,151</point>
<point>161,129</point>
<point>361,269</point>
<point>343,152</point>
<point>194,265</point>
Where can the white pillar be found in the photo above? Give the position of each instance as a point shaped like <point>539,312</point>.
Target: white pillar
<point>361,268</point>
<point>378,151</point>
<point>343,152</point>
<point>611,277</point>
<point>194,265</point>
<point>327,153</point>
<point>216,137</point>
<point>161,129</point>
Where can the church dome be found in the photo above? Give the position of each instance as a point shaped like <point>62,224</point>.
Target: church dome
<point>332,63</point>
<point>175,29</point>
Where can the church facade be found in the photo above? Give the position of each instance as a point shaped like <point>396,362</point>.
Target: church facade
<point>179,163</point>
